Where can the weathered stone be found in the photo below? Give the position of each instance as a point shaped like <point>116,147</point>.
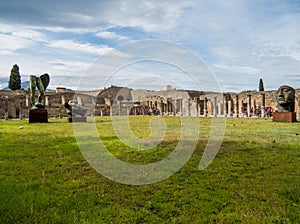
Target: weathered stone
<point>15,104</point>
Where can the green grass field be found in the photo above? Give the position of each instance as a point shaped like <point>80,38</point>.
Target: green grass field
<point>255,177</point>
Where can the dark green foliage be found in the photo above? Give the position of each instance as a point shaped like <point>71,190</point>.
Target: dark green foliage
<point>249,90</point>
<point>261,85</point>
<point>14,82</point>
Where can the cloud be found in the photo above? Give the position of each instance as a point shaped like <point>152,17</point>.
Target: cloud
<point>30,34</point>
<point>152,16</point>
<point>14,38</point>
<point>10,44</point>
<point>237,39</point>
<point>238,69</point>
<point>82,47</point>
<point>147,15</point>
<point>110,35</point>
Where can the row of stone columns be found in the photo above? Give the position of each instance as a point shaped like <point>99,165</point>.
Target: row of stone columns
<point>225,107</point>
<point>231,107</point>
<point>170,106</point>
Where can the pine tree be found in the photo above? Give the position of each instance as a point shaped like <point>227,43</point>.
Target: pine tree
<point>14,82</point>
<point>261,85</point>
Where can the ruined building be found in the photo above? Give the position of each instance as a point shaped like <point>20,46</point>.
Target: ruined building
<point>124,101</point>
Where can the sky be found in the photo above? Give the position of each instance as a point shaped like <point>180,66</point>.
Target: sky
<point>239,42</point>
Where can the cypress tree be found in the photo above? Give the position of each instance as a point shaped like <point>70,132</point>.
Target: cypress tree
<point>14,82</point>
<point>261,85</point>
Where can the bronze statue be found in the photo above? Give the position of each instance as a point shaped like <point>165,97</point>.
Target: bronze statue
<point>286,99</point>
<point>41,83</point>
<point>73,108</point>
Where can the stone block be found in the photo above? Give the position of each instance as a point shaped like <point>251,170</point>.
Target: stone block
<point>76,119</point>
<point>284,117</point>
<point>38,116</point>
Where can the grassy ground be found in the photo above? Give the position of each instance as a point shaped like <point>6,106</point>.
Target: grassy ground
<point>255,177</point>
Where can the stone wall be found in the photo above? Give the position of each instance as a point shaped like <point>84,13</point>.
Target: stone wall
<point>125,101</point>
<point>16,104</point>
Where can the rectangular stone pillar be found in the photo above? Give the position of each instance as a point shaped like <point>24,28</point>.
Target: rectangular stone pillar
<point>205,107</point>
<point>27,101</point>
<point>298,107</point>
<point>248,105</point>
<point>189,106</point>
<point>47,100</point>
<point>79,100</point>
<point>225,106</point>
<point>63,100</point>
<point>215,106</point>
<point>220,108</point>
<point>229,108</point>
<point>236,106</point>
<point>263,102</point>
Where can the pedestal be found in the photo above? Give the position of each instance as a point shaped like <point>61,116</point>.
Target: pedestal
<point>76,119</point>
<point>38,116</point>
<point>284,117</point>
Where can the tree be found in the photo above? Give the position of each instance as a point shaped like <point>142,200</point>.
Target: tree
<point>261,85</point>
<point>14,82</point>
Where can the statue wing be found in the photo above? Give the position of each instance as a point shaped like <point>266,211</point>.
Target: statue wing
<point>45,80</point>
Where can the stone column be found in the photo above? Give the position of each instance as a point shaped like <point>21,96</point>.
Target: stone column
<point>254,107</point>
<point>236,106</point>
<point>160,106</point>
<point>205,106</point>
<point>215,106</point>
<point>21,111</point>
<point>47,100</point>
<point>225,106</point>
<point>189,106</point>
<point>248,105</point>
<point>27,101</point>
<point>168,106</point>
<point>298,107</point>
<point>179,106</point>
<point>220,112</point>
<point>63,100</point>
<point>197,106</point>
<point>229,108</point>
<point>262,108</point>
<point>79,100</point>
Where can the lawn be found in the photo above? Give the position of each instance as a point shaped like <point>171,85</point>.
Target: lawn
<point>255,177</point>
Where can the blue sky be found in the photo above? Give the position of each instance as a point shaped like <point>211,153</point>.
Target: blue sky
<point>239,41</point>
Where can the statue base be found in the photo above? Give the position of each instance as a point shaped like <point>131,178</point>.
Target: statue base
<point>76,119</point>
<point>284,117</point>
<point>38,116</point>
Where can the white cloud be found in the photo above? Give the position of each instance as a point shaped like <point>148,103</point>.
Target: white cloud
<point>82,47</point>
<point>238,68</point>
<point>152,16</point>
<point>69,67</point>
<point>70,17</point>
<point>30,35</point>
<point>110,35</point>
<point>10,44</point>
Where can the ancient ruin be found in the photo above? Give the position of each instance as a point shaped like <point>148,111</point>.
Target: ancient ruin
<point>125,101</point>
